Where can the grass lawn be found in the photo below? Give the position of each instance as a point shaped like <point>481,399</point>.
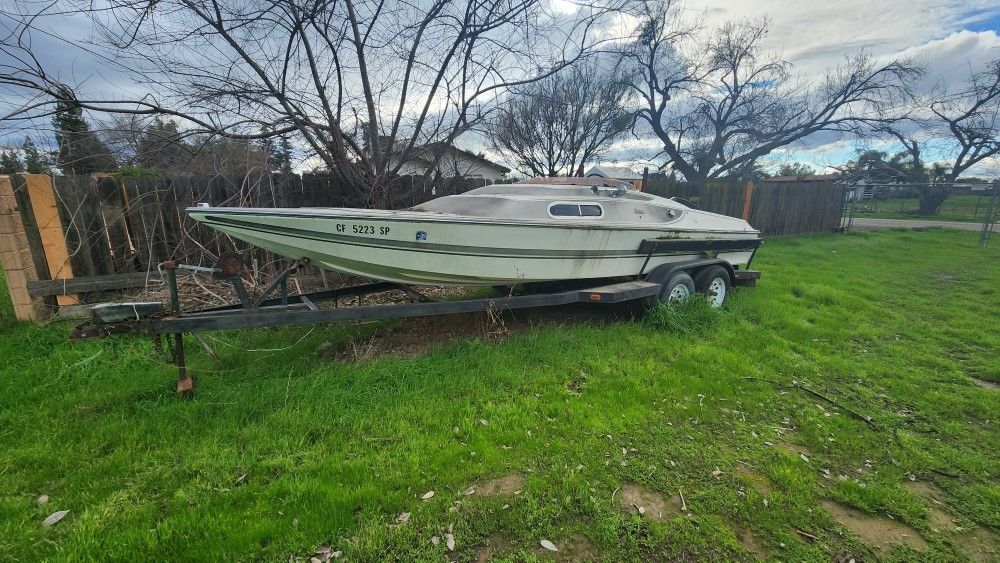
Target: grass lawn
<point>970,208</point>
<point>558,433</point>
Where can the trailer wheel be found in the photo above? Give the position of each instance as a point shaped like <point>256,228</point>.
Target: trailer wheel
<point>677,289</point>
<point>714,283</point>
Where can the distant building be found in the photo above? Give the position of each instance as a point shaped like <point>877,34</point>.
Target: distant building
<point>454,163</point>
<point>808,178</point>
<point>622,173</point>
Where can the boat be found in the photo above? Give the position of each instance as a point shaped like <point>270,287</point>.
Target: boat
<point>537,230</point>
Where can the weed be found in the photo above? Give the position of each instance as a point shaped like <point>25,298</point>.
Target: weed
<point>693,316</point>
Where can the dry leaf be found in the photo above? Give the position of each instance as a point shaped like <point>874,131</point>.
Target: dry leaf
<point>716,473</point>
<point>44,499</point>
<point>55,517</point>
<point>435,540</point>
<point>403,518</point>
<point>427,495</point>
<point>450,541</point>
<point>549,545</point>
<point>470,491</point>
<point>804,458</point>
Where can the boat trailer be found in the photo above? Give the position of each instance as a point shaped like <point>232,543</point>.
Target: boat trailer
<point>275,307</point>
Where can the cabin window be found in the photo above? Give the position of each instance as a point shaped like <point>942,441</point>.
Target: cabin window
<point>564,210</point>
<point>559,210</point>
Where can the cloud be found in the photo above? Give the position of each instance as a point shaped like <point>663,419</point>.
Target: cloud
<point>814,35</point>
<point>950,60</point>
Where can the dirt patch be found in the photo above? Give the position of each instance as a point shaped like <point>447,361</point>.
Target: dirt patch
<point>991,385</point>
<point>939,519</point>
<point>414,337</point>
<point>927,491</point>
<point>980,544</point>
<point>506,485</point>
<point>792,448</point>
<point>574,548</point>
<point>760,483</point>
<point>495,544</point>
<point>880,532</point>
<point>750,542</point>
<point>652,504</point>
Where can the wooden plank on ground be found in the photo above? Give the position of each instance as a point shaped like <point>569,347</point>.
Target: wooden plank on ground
<point>50,229</point>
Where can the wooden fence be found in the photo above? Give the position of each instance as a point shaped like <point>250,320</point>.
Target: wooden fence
<point>776,208</point>
<point>62,237</point>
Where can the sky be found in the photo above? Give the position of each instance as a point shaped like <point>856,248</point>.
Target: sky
<point>950,37</point>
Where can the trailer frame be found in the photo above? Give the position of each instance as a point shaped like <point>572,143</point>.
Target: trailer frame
<point>158,320</point>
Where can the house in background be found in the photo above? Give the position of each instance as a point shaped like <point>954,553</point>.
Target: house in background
<point>622,173</point>
<point>806,179</point>
<point>856,188</point>
<point>454,163</point>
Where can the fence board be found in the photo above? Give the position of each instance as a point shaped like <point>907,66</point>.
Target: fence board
<point>776,208</point>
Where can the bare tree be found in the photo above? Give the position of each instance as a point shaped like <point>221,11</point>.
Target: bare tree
<point>719,104</point>
<point>971,117</point>
<point>555,126</point>
<point>333,72</point>
<point>965,122</point>
<point>123,135</point>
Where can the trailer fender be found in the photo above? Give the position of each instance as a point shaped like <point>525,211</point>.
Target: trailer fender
<point>663,272</point>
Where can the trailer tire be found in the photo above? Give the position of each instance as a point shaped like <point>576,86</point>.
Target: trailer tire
<point>714,283</point>
<point>677,289</point>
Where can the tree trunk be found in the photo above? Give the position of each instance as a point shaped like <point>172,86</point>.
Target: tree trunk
<point>932,196</point>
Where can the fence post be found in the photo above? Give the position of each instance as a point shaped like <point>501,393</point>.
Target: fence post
<point>747,196</point>
<point>42,194</point>
<point>990,218</point>
<point>15,256</point>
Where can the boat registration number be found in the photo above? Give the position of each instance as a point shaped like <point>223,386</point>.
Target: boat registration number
<point>362,229</point>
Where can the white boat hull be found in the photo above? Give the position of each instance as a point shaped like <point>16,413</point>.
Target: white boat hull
<point>438,249</point>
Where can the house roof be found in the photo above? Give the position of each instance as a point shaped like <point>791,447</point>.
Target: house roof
<point>434,148</point>
<point>616,172</point>
<point>809,178</point>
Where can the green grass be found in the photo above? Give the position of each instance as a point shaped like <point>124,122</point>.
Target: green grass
<point>283,451</point>
<point>966,208</point>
